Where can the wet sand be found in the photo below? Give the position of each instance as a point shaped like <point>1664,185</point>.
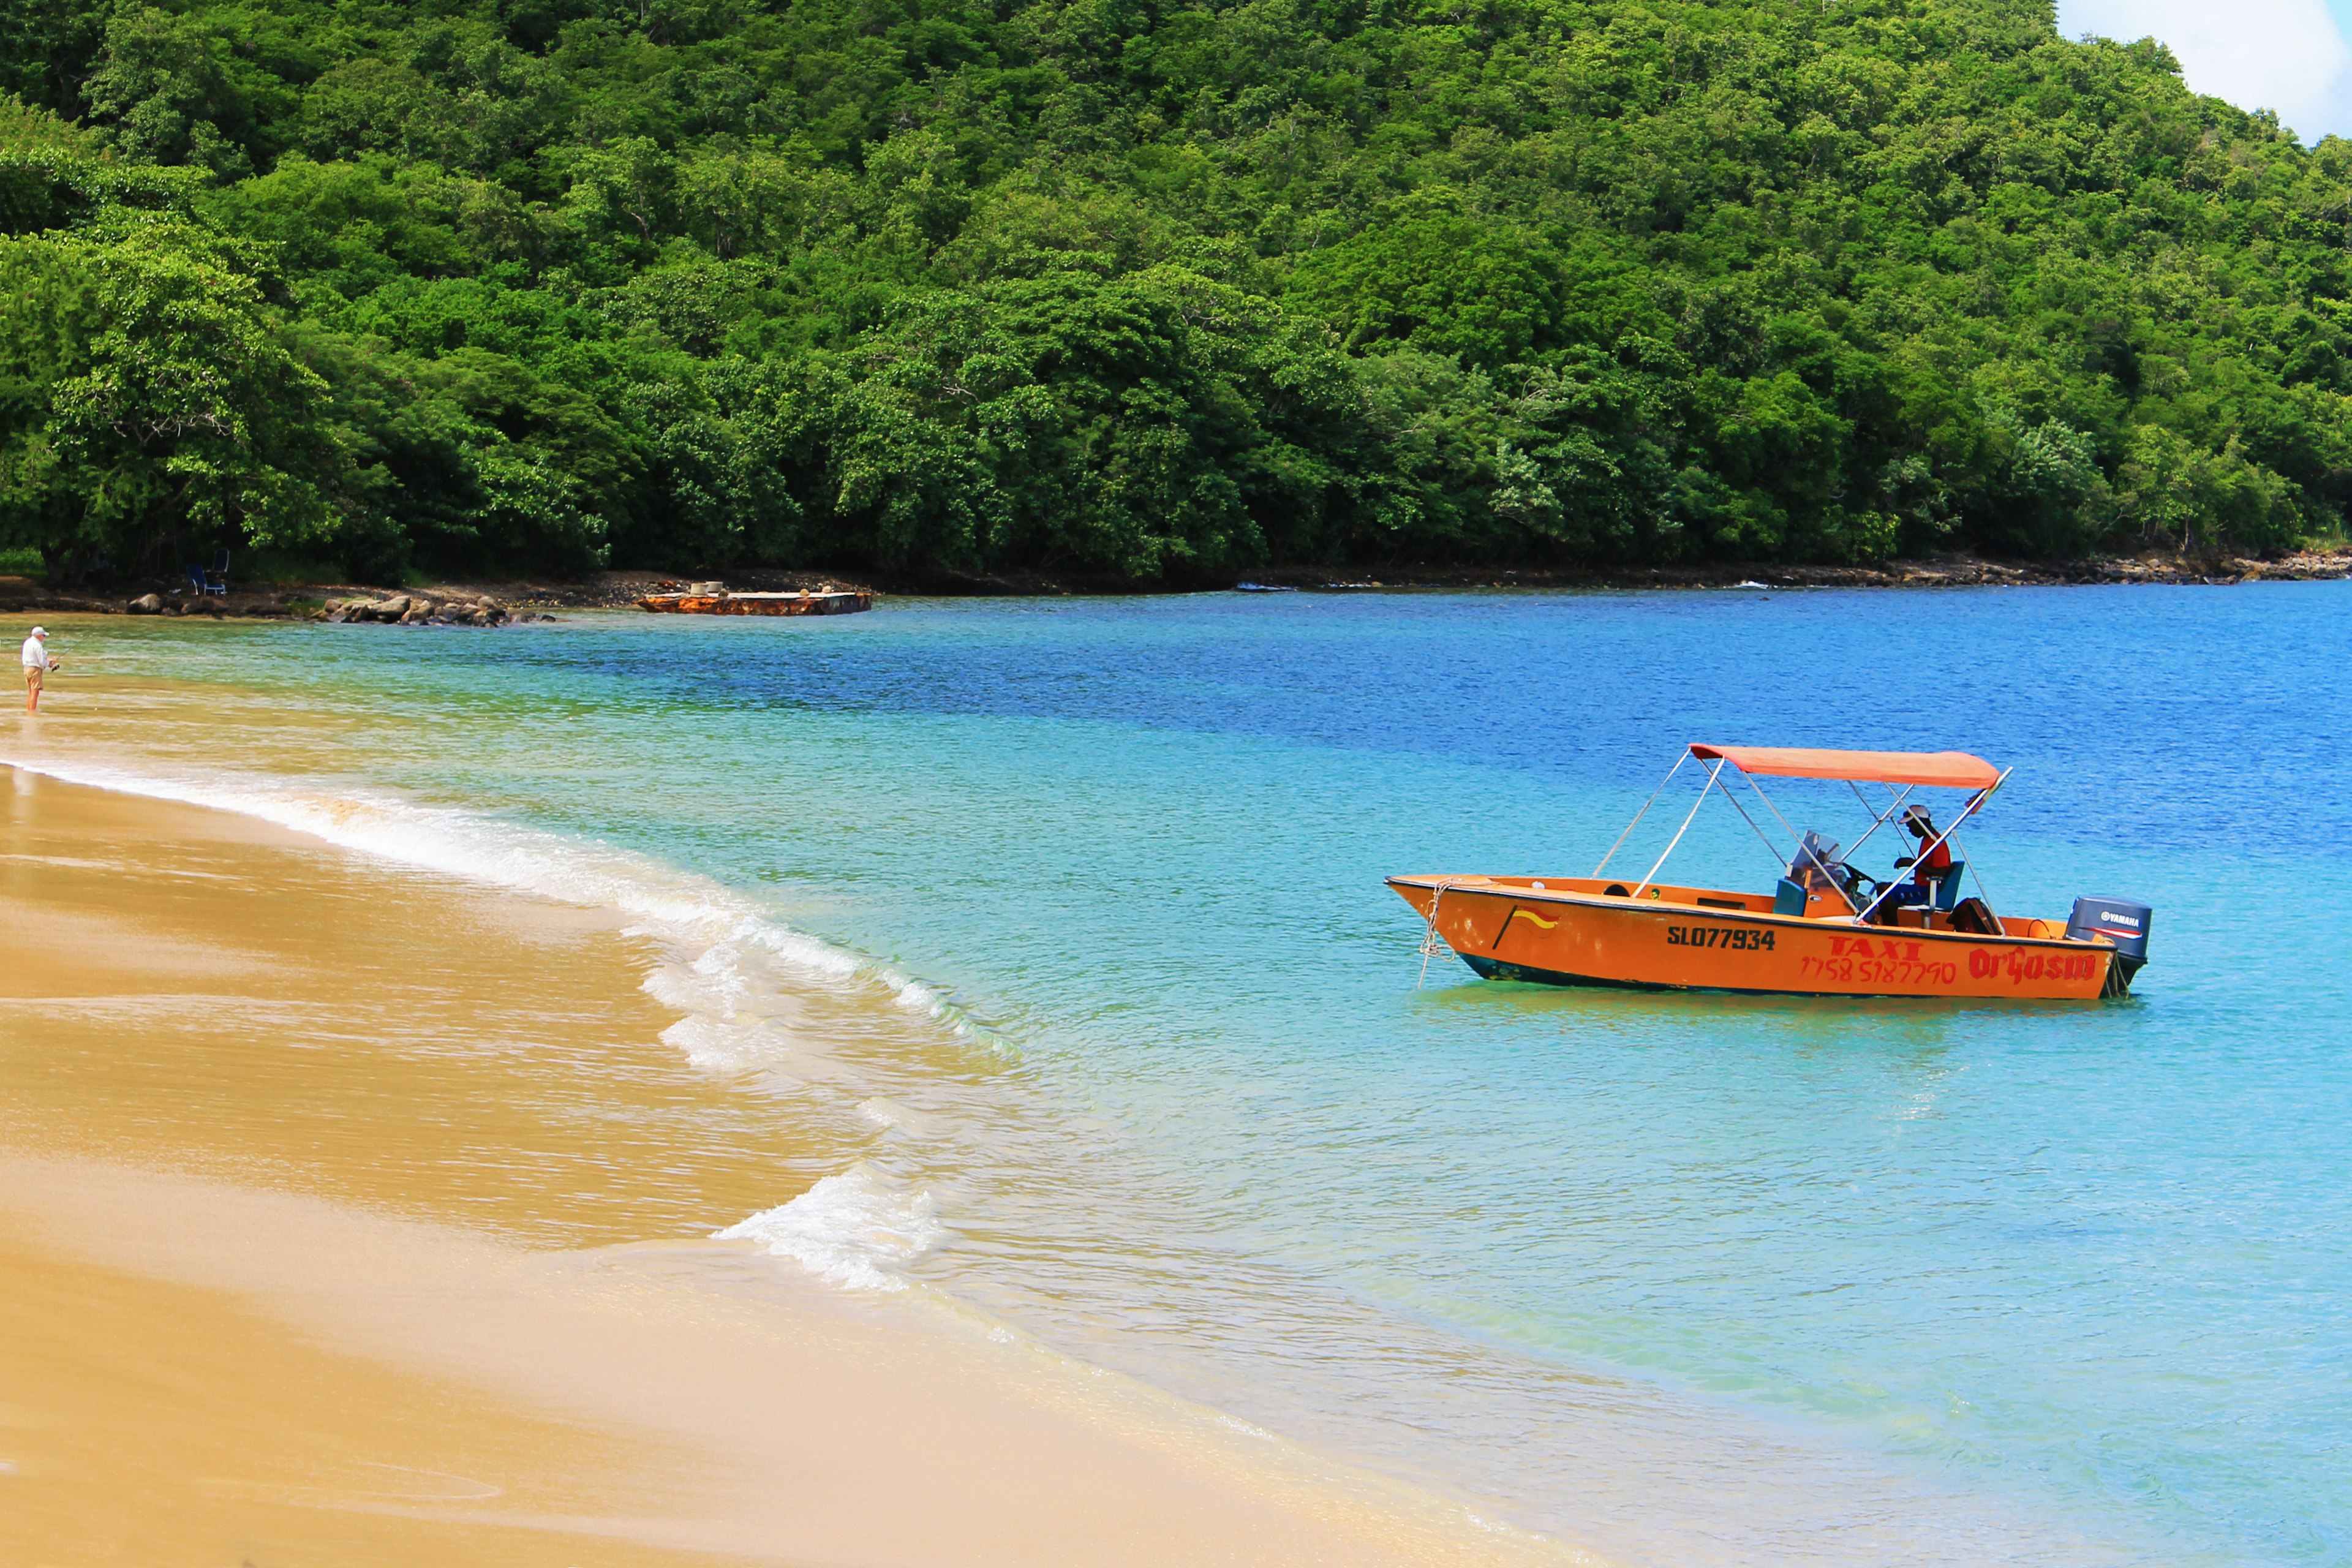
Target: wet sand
<point>324,1245</point>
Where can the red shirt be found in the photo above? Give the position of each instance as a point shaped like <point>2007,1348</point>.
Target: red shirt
<point>1939,858</point>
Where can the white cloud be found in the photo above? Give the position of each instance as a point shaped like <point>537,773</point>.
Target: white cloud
<point>2287,55</point>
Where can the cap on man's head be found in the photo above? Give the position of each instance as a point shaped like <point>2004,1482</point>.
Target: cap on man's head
<point>40,631</point>
<point>1917,816</point>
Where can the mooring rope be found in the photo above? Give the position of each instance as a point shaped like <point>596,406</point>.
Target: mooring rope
<point>1430,943</point>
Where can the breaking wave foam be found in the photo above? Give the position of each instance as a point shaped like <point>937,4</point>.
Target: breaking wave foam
<point>717,926</point>
<point>849,1230</point>
<point>735,971</point>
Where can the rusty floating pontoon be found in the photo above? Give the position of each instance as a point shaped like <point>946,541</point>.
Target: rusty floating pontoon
<point>714,599</point>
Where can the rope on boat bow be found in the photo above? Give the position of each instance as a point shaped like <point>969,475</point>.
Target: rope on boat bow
<point>1431,944</point>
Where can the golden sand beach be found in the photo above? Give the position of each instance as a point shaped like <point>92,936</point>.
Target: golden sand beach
<point>317,1251</point>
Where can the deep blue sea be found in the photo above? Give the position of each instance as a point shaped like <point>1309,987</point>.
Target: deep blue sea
<point>1058,927</point>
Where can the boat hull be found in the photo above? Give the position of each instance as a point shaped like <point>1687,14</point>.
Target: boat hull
<point>1570,931</point>
<point>843,604</point>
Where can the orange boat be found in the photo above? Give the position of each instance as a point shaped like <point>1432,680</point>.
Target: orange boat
<point>1826,929</point>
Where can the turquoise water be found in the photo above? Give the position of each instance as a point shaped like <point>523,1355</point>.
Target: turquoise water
<point>1684,1278</point>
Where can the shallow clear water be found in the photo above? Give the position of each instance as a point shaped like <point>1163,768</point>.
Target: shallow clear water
<point>1686,1278</point>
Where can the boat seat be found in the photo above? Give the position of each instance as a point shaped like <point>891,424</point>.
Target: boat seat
<point>1943,898</point>
<point>1787,898</point>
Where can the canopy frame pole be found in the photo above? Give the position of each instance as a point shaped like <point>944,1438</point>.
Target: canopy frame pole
<point>1971,862</point>
<point>1769,848</point>
<point>1827,875</point>
<point>1677,839</point>
<point>1976,802</point>
<point>1877,819</point>
<point>1955,828</point>
<point>1643,812</point>
<point>1983,891</point>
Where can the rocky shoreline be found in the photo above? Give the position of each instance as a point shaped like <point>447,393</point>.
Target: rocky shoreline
<point>500,604</point>
<point>1940,572</point>
<point>422,609</point>
<point>619,590</point>
<point>455,606</point>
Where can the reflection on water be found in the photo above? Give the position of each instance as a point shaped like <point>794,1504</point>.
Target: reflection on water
<point>1115,1034</point>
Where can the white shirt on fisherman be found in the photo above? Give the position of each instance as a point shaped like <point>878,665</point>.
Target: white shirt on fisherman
<point>36,654</point>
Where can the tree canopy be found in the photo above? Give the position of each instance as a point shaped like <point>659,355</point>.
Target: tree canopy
<point>1148,288</point>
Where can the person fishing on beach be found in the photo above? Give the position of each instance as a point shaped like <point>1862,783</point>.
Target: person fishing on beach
<point>37,663</point>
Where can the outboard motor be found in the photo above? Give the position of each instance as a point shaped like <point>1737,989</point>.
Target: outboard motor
<point>2122,922</point>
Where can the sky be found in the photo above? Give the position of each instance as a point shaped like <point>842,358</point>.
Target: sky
<point>2287,55</point>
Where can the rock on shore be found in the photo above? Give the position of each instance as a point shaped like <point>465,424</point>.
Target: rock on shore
<point>422,609</point>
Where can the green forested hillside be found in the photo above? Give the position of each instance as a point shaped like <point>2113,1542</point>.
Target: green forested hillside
<point>1145,286</point>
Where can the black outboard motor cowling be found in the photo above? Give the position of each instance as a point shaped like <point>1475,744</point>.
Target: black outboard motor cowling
<point>2123,921</point>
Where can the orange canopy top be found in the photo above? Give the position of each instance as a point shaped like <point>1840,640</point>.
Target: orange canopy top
<point>1946,769</point>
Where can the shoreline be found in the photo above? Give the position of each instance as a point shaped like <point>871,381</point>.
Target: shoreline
<point>863,1056</point>
<point>534,598</point>
<point>229,1099</point>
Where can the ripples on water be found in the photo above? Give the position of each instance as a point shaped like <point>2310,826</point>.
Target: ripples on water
<point>1689,1279</point>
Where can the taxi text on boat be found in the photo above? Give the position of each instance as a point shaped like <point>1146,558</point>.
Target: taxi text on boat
<point>1826,930</point>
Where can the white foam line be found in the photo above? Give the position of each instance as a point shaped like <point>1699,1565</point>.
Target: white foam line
<point>850,1228</point>
<point>468,845</point>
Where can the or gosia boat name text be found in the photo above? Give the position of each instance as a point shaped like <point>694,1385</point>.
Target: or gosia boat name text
<point>2024,966</point>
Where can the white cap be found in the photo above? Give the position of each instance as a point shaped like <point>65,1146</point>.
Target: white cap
<point>40,631</point>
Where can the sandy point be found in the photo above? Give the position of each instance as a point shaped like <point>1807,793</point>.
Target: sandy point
<point>309,1261</point>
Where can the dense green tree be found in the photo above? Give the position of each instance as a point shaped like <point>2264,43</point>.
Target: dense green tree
<point>1149,287</point>
<point>155,406</point>
<point>1483,290</point>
